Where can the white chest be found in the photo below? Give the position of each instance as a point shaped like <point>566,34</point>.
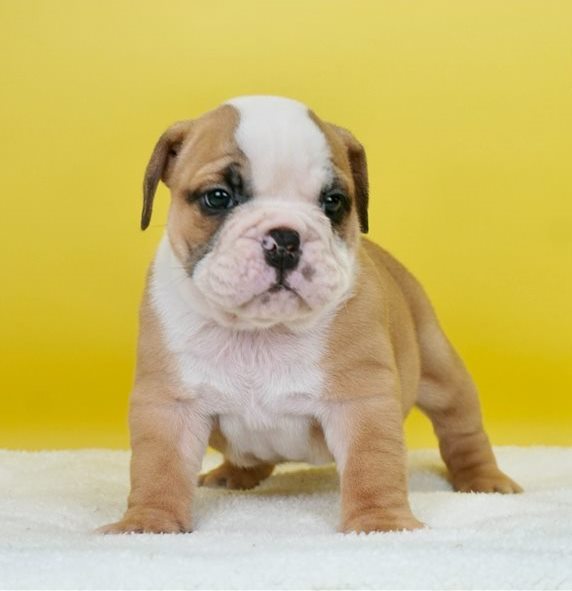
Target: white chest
<point>263,388</point>
<point>264,395</point>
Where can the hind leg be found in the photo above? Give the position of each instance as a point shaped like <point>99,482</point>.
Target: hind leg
<point>227,475</point>
<point>448,396</point>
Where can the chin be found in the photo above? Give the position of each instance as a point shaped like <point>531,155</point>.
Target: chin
<point>275,307</point>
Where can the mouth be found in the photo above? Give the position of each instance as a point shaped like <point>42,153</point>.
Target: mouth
<point>274,290</point>
<point>281,285</point>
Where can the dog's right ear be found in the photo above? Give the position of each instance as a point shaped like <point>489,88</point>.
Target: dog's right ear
<point>161,165</point>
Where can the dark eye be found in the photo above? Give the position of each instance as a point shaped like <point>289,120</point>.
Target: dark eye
<point>217,200</point>
<point>334,205</point>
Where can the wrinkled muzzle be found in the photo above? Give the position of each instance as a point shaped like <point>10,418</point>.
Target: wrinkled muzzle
<point>274,262</point>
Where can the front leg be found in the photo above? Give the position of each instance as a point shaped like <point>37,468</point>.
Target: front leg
<point>168,441</point>
<point>365,437</point>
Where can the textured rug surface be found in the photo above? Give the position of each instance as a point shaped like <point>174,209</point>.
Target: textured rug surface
<point>283,534</point>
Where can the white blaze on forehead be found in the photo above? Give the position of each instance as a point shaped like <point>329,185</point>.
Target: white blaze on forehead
<point>289,155</point>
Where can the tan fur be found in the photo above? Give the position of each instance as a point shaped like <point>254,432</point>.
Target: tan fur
<point>386,352</point>
<point>227,475</point>
<point>350,164</point>
<point>188,156</point>
<point>168,440</point>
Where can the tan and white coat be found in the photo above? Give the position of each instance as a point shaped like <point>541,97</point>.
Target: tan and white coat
<point>326,374</point>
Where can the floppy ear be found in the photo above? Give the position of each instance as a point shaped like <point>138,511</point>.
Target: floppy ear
<point>358,164</point>
<point>161,165</point>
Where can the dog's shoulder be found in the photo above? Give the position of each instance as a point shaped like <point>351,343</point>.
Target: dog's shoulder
<point>397,281</point>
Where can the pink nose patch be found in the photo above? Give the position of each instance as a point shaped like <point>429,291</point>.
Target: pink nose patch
<point>268,243</point>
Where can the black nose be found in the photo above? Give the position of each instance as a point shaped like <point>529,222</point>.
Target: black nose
<point>282,248</point>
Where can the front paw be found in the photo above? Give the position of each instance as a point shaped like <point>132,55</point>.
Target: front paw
<point>145,520</point>
<point>486,480</point>
<point>380,521</point>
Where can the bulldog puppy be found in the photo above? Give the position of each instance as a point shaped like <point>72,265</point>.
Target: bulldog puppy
<point>270,329</point>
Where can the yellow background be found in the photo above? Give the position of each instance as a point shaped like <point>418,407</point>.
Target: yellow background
<point>465,109</point>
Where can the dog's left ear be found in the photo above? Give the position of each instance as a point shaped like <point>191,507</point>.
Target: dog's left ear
<point>161,165</point>
<point>358,164</point>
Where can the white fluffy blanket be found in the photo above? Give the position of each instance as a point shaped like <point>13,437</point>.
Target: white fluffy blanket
<point>283,534</point>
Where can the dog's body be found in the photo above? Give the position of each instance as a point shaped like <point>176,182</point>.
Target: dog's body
<point>270,329</point>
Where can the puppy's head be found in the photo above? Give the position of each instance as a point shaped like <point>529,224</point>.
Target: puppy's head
<point>267,205</point>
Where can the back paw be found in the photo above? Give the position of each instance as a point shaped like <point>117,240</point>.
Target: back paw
<point>229,476</point>
<point>485,480</point>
